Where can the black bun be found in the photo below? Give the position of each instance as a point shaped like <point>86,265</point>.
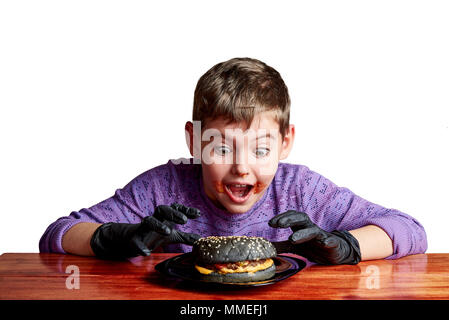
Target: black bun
<point>228,249</point>
<point>240,276</point>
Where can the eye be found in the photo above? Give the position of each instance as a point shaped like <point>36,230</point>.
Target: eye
<point>262,152</point>
<point>222,150</point>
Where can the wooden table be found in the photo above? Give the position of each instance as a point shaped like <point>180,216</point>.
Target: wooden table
<point>53,276</point>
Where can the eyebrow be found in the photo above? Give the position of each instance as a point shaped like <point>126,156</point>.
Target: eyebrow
<point>266,135</point>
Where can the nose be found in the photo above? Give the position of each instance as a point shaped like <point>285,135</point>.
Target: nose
<point>240,166</point>
<point>240,170</point>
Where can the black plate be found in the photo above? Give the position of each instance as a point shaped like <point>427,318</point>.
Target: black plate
<point>182,267</point>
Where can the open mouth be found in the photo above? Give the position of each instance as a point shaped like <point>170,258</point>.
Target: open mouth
<point>239,192</point>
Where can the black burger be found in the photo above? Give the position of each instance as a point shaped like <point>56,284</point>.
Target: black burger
<point>234,258</point>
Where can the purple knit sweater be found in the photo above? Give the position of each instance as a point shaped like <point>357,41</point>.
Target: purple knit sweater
<point>294,187</point>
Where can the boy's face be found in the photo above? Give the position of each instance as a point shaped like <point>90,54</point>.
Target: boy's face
<point>239,163</point>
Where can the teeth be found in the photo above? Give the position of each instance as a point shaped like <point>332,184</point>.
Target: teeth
<point>239,185</point>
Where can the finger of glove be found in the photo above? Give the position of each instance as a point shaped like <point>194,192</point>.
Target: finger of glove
<point>292,219</point>
<point>153,240</point>
<point>304,235</point>
<point>274,222</point>
<point>152,224</point>
<point>190,212</point>
<point>183,237</point>
<point>167,213</point>
<point>140,247</point>
<point>330,241</point>
<point>156,242</point>
<point>283,246</point>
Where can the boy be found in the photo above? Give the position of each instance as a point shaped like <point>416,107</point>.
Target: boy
<point>236,185</point>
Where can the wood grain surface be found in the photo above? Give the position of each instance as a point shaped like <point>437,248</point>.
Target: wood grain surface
<point>50,276</point>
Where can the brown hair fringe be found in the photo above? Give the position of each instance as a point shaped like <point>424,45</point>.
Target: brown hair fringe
<point>239,89</point>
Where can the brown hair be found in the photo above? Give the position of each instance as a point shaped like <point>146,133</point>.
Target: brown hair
<point>240,88</point>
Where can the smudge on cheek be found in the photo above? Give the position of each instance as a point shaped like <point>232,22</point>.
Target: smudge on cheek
<point>219,186</point>
<point>259,187</point>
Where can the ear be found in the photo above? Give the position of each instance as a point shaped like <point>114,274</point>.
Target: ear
<point>189,136</point>
<point>287,142</point>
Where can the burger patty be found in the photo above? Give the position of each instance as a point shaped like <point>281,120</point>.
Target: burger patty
<point>235,267</point>
<point>240,264</point>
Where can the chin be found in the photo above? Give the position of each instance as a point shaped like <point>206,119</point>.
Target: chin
<point>236,209</point>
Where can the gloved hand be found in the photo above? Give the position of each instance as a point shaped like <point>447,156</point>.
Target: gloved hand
<point>315,244</point>
<point>125,240</point>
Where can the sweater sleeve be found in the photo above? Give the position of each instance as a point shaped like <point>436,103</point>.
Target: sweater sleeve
<point>128,205</point>
<point>337,208</point>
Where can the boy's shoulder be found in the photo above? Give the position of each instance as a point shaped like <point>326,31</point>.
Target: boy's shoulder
<point>174,168</point>
<point>183,165</point>
<point>290,169</point>
<point>180,164</point>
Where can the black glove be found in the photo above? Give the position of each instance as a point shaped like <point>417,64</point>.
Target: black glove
<point>315,244</point>
<point>125,240</point>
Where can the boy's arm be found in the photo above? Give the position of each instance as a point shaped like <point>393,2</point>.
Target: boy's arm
<point>378,229</point>
<point>374,242</point>
<point>125,240</point>
<point>128,205</point>
<point>76,240</point>
<point>336,247</point>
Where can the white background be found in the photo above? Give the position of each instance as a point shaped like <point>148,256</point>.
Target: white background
<point>93,93</point>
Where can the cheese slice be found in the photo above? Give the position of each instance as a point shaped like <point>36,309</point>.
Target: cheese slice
<point>250,269</point>
<point>203,270</point>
